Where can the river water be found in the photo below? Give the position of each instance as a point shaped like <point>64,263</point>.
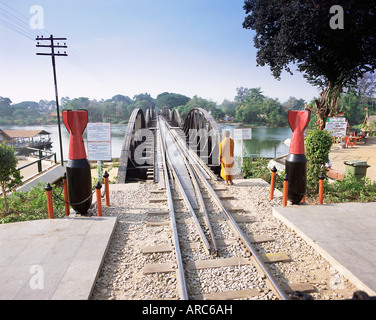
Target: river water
<point>266,142</point>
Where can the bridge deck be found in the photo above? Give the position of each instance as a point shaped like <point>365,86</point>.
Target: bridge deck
<point>181,170</point>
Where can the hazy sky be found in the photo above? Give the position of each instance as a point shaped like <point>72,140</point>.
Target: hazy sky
<point>191,47</point>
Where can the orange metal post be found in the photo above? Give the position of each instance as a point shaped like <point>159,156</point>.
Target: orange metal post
<point>321,188</point>
<point>272,184</point>
<point>285,191</point>
<point>98,188</point>
<point>107,188</point>
<point>50,205</point>
<point>66,199</point>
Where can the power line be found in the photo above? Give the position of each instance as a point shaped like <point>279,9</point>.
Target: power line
<point>17,22</point>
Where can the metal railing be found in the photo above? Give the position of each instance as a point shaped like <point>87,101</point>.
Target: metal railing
<point>41,158</point>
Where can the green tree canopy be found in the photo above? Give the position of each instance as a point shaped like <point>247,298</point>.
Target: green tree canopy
<point>171,100</point>
<point>10,178</point>
<point>299,32</point>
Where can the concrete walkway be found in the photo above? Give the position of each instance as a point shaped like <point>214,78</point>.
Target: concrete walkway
<point>344,234</point>
<point>53,259</point>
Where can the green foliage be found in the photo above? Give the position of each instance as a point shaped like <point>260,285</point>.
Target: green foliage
<point>170,100</point>
<point>32,205</point>
<point>197,102</point>
<point>298,33</point>
<point>353,107</point>
<point>259,110</point>
<point>10,178</point>
<point>318,146</point>
<point>258,169</point>
<point>350,190</point>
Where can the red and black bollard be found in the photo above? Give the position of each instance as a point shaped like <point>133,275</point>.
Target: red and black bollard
<point>285,190</point>
<point>321,188</point>
<point>272,183</point>
<point>78,168</point>
<point>50,205</point>
<point>106,188</point>
<point>296,162</point>
<point>98,188</point>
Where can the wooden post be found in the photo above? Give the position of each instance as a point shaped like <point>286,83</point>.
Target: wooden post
<point>107,188</point>
<point>272,184</point>
<point>66,199</point>
<point>50,205</point>
<point>321,188</point>
<point>98,188</point>
<point>285,190</point>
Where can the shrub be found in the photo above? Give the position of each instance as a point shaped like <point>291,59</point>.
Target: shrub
<point>258,169</point>
<point>318,146</point>
<point>32,205</point>
<point>350,190</point>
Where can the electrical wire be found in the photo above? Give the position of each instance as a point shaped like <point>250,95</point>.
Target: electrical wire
<point>15,21</point>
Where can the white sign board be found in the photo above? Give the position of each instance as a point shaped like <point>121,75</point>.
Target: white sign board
<point>99,132</point>
<point>99,141</point>
<point>243,134</point>
<point>337,126</point>
<point>99,151</point>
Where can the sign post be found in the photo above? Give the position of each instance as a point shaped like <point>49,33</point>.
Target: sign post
<point>337,126</point>
<point>242,134</point>
<point>99,144</point>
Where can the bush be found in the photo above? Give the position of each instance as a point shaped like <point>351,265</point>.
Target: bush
<point>258,169</point>
<point>318,146</point>
<point>350,190</point>
<point>32,205</point>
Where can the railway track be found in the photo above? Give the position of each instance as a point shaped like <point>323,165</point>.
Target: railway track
<point>208,245</point>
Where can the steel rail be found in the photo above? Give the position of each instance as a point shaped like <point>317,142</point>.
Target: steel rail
<point>188,204</point>
<point>197,188</point>
<point>274,284</point>
<point>182,284</point>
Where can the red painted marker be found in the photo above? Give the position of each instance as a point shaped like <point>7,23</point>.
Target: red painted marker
<point>78,168</point>
<point>296,162</point>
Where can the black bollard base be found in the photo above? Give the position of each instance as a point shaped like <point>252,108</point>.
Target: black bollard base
<point>296,170</point>
<point>79,185</point>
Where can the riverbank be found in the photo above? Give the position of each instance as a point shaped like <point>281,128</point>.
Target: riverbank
<point>360,152</point>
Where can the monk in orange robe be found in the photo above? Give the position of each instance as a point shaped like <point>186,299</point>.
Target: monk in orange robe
<point>226,158</point>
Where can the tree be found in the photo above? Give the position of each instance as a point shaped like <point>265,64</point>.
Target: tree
<point>10,178</point>
<point>5,107</point>
<point>242,94</point>
<point>294,104</point>
<point>171,100</point>
<point>302,33</point>
<point>229,107</point>
<point>366,86</point>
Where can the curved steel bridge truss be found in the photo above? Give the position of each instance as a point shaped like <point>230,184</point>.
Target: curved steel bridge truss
<point>203,136</point>
<point>201,131</point>
<point>132,161</point>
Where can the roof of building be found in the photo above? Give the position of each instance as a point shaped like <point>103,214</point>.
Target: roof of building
<point>25,133</point>
<point>4,136</point>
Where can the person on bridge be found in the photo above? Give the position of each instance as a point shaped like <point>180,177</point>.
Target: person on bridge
<point>226,158</point>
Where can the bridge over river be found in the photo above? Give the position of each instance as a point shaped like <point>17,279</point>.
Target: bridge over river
<point>140,156</point>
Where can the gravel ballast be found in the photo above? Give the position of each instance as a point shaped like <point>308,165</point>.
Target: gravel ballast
<point>122,278</point>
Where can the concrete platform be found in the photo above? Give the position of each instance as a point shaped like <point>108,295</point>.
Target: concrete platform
<point>53,259</point>
<point>49,176</point>
<point>344,234</point>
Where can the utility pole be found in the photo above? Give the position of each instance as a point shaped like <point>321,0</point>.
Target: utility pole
<point>52,45</point>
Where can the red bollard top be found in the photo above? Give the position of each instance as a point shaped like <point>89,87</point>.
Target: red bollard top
<point>298,121</point>
<point>75,122</point>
